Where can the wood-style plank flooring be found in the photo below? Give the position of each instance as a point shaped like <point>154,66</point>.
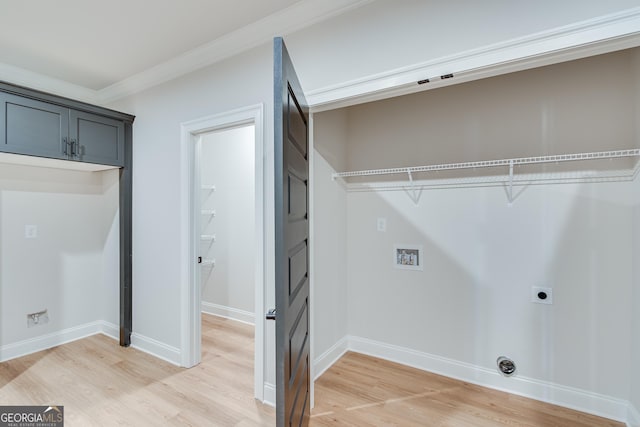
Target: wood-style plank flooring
<point>360,390</point>
<point>102,384</point>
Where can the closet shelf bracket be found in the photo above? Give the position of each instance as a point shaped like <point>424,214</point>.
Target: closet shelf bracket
<point>209,262</point>
<point>510,194</point>
<point>413,191</point>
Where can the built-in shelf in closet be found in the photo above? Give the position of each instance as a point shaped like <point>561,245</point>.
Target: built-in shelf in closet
<point>208,237</point>
<point>511,177</point>
<point>209,262</point>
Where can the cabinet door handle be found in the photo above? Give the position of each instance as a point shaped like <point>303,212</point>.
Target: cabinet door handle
<point>65,149</point>
<point>73,148</point>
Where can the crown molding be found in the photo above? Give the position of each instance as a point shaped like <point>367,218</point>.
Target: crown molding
<point>596,36</point>
<point>31,80</point>
<point>300,15</point>
<point>586,38</point>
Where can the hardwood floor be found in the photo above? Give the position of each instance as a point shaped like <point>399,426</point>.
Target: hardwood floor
<point>360,390</point>
<point>102,384</point>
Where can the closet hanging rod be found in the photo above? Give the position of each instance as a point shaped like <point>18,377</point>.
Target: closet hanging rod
<point>493,163</point>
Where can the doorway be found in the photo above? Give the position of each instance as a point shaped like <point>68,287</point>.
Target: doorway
<point>226,161</point>
<point>210,256</point>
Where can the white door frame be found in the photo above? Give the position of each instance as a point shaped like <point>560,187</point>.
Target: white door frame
<point>191,294</point>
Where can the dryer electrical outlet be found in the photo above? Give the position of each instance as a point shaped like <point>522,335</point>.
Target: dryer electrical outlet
<point>541,295</point>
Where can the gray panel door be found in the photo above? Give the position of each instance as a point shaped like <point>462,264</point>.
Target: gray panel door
<point>291,243</point>
<point>33,127</point>
<point>96,139</point>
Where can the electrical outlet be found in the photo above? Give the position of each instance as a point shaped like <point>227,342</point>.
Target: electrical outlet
<point>382,224</point>
<point>37,319</point>
<point>541,295</point>
<point>30,231</point>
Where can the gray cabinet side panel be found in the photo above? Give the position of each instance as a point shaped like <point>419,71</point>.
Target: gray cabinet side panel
<point>126,243</point>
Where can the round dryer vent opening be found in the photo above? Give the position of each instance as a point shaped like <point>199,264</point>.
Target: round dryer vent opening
<point>506,366</point>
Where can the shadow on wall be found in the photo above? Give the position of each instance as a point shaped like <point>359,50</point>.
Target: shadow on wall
<point>472,303</point>
<point>586,332</point>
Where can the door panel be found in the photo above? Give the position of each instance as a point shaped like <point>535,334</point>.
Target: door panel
<point>296,123</point>
<point>297,198</point>
<point>292,243</point>
<point>298,269</point>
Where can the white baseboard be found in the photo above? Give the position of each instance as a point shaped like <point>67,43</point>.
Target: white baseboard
<point>43,342</point>
<point>156,348</point>
<point>581,400</point>
<point>329,357</point>
<point>633,418</point>
<point>53,339</point>
<point>111,330</point>
<point>269,394</point>
<point>148,345</point>
<point>229,312</point>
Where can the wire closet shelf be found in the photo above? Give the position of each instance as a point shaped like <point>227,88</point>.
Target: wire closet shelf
<point>509,180</point>
<point>494,163</point>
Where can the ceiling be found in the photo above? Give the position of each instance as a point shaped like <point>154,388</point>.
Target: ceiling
<point>95,44</point>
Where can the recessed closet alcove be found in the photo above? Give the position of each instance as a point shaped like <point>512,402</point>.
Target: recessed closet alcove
<point>490,234</point>
<point>65,221</point>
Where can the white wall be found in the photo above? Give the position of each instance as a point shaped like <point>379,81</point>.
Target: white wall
<point>635,328</point>
<point>472,301</point>
<point>68,268</point>
<point>241,81</point>
<point>634,412</point>
<point>384,35</point>
<point>329,243</point>
<point>227,161</point>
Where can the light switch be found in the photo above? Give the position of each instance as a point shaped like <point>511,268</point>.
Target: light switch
<point>382,224</point>
<point>30,231</point>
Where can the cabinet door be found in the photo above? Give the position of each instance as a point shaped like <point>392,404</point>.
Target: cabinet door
<point>96,139</point>
<point>33,127</point>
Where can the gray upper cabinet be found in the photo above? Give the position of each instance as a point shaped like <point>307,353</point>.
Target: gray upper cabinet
<point>97,139</point>
<point>45,129</point>
<point>33,127</point>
